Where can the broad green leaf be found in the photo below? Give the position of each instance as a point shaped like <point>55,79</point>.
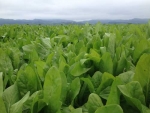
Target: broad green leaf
<point>142,74</point>
<point>49,59</point>
<point>70,57</point>
<point>2,105</point>
<point>105,92</point>
<point>17,107</point>
<point>133,94</point>
<point>106,39</point>
<point>70,109</point>
<point>27,80</point>
<point>32,103</point>
<point>40,69</point>
<point>27,50</point>
<point>93,55</point>
<point>80,56</point>
<point>96,41</point>
<point>77,69</point>
<point>78,110</point>
<point>62,63</point>
<point>52,89</point>
<point>86,63</point>
<point>140,48</point>
<point>89,83</point>
<point>33,56</point>
<point>103,50</point>
<point>15,57</point>
<point>111,45</point>
<point>107,80</point>
<point>79,46</point>
<point>96,79</point>
<point>64,87</point>
<point>113,108</point>
<point>65,110</point>
<point>42,50</point>
<point>11,96</point>
<point>6,67</point>
<point>94,102</point>
<point>145,109</point>
<point>73,90</point>
<point>45,42</point>
<point>126,77</point>
<point>121,65</point>
<point>48,63</point>
<point>114,95</point>
<point>106,64</point>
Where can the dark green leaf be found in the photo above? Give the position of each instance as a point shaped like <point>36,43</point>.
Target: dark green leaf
<point>2,105</point>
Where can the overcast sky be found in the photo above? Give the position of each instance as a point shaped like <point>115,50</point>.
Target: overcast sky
<point>74,9</point>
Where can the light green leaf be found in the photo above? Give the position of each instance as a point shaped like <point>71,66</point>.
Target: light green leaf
<point>107,80</point>
<point>40,69</point>
<point>52,89</point>
<point>17,107</point>
<point>105,92</point>
<point>94,101</point>
<point>62,63</point>
<point>15,57</point>
<point>142,74</point>
<point>73,91</point>
<point>121,64</point>
<point>6,67</point>
<point>133,94</point>
<point>97,78</point>
<point>126,77</point>
<point>11,96</point>
<point>114,95</point>
<point>93,55</point>
<point>64,87</point>
<point>89,83</point>
<point>111,45</point>
<point>45,42</point>
<point>106,64</point>
<point>113,108</point>
<point>140,47</point>
<point>103,50</point>
<point>77,69</point>
<point>33,102</point>
<point>27,80</point>
<point>78,110</point>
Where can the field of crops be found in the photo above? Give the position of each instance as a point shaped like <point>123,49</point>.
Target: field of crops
<point>75,68</point>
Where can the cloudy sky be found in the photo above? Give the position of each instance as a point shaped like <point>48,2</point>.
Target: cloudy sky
<point>74,9</point>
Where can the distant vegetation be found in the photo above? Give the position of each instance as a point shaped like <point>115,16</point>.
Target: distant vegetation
<point>60,21</point>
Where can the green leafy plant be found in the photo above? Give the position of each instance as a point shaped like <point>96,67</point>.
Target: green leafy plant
<point>101,68</point>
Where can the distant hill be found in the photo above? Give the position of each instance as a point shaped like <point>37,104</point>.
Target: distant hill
<point>133,21</point>
<point>36,21</point>
<point>61,21</point>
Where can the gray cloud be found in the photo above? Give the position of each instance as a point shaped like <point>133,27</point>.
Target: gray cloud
<point>74,9</point>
